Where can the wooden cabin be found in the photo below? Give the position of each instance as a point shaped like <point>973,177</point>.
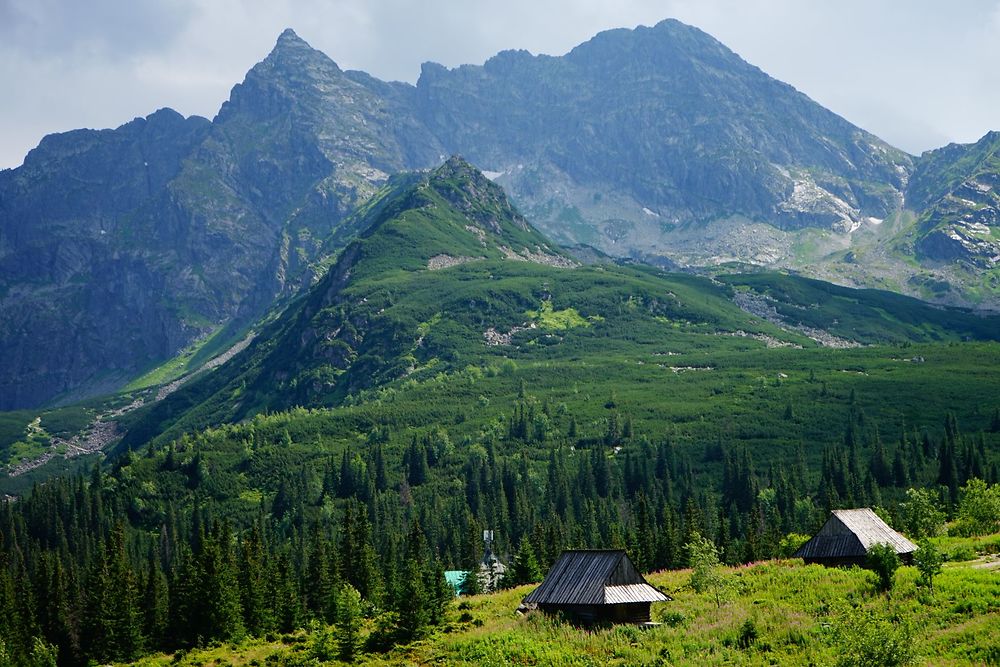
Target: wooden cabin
<point>847,536</point>
<point>595,586</point>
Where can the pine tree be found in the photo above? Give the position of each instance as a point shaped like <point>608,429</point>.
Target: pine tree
<point>357,554</point>
<point>381,475</point>
<point>525,568</point>
<point>255,581</point>
<point>602,472</point>
<point>879,467</point>
<point>348,622</point>
<point>57,616</point>
<point>186,610</point>
<point>321,593</point>
<point>412,602</point>
<point>900,475</point>
<point>439,593</point>
<point>612,434</point>
<point>645,531</point>
<point>156,604</point>
<point>223,612</point>
<point>114,621</point>
<point>286,595</point>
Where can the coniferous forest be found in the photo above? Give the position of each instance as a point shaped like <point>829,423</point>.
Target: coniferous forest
<point>237,532</point>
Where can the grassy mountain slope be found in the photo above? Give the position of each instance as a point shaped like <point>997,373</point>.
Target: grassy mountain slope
<point>442,269</point>
<point>778,613</point>
<point>658,143</point>
<point>446,274</point>
<point>862,316</point>
<point>437,282</point>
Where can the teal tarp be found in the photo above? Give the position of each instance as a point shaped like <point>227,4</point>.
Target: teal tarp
<point>455,579</point>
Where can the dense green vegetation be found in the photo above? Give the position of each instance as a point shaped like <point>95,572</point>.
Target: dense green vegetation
<point>273,515</point>
<point>864,316</point>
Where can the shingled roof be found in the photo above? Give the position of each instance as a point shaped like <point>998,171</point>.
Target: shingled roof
<point>591,577</point>
<point>850,534</point>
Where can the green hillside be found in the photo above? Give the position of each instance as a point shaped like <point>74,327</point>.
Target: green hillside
<point>870,317</point>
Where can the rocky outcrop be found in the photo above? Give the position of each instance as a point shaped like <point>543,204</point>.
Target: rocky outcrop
<point>957,190</point>
<point>89,259</point>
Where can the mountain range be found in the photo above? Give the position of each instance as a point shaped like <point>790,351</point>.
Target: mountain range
<point>121,248</point>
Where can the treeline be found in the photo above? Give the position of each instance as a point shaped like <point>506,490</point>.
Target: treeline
<point>78,581</point>
<point>242,531</point>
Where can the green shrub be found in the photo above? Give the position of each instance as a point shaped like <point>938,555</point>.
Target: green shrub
<point>884,561</point>
<point>673,619</point>
<point>791,543</point>
<point>928,561</point>
<point>960,553</point>
<point>979,509</point>
<point>748,634</point>
<point>865,638</point>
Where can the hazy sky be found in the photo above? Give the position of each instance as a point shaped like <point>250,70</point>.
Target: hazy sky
<point>918,73</point>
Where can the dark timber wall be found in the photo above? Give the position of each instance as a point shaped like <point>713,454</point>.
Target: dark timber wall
<point>587,614</point>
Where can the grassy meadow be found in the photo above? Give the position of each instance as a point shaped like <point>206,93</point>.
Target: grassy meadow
<point>775,613</point>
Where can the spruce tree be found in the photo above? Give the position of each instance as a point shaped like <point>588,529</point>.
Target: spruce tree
<point>256,577</point>
<point>412,602</point>
<point>439,593</point>
<point>348,622</point>
<point>470,583</point>
<point>114,621</point>
<point>223,613</point>
<point>156,604</point>
<point>525,568</point>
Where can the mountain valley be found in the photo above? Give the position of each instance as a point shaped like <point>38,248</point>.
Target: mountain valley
<point>268,377</point>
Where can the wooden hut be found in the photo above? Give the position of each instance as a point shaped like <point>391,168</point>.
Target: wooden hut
<point>847,536</point>
<point>595,586</point>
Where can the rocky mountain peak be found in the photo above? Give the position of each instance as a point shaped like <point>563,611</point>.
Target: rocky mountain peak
<point>289,36</point>
<point>290,49</point>
<point>292,71</point>
<point>467,189</point>
<point>669,40</point>
<point>457,167</point>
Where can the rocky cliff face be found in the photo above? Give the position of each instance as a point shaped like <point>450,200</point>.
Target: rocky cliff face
<point>91,258</point>
<point>957,191</point>
<point>637,132</point>
<point>119,247</point>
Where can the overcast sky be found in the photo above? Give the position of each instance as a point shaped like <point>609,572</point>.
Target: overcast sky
<point>918,73</point>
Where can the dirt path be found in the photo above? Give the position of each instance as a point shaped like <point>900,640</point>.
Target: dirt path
<point>990,562</point>
<point>103,431</point>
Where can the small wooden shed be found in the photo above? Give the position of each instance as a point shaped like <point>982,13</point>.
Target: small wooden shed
<point>847,536</point>
<point>596,586</point>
